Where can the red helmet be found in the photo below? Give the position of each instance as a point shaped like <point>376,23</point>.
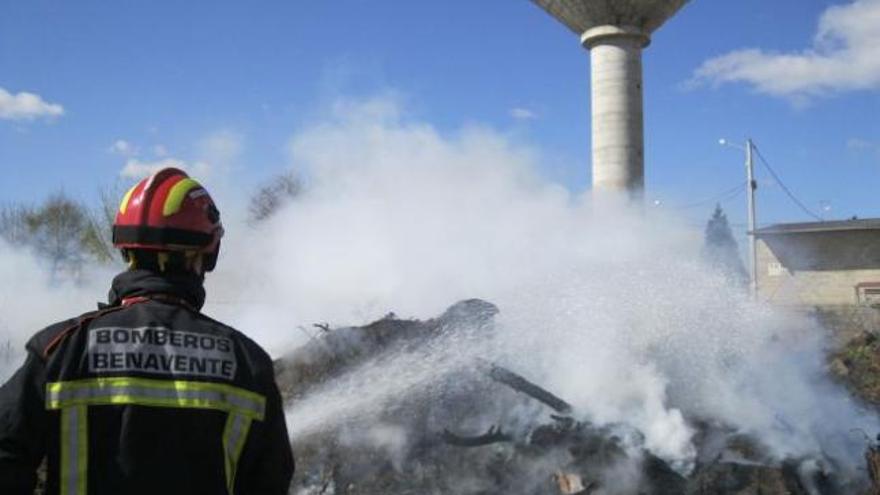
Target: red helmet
<point>168,211</point>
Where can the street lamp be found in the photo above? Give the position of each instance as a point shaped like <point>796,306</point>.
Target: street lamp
<point>751,185</point>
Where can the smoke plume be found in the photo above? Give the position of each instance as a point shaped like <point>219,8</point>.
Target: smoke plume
<point>606,304</point>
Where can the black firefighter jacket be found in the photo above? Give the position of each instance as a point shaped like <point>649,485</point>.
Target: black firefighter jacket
<point>145,396</point>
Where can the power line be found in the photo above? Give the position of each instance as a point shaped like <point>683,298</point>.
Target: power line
<point>721,197</point>
<point>736,194</point>
<point>784,187</point>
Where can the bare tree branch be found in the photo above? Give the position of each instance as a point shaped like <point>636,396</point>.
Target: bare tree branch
<point>271,197</point>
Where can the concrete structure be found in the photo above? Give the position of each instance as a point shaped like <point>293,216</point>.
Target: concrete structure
<point>822,265</point>
<point>615,31</point>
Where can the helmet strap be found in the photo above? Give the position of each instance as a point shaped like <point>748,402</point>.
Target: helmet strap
<point>166,261</point>
<point>195,262</point>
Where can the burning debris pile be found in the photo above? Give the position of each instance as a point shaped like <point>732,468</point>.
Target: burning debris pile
<point>482,428</point>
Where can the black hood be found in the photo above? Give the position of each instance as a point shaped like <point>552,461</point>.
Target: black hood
<point>132,283</point>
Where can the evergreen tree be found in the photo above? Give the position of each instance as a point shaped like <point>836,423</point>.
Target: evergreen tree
<point>720,248</point>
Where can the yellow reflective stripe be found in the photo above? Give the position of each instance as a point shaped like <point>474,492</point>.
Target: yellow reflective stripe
<point>175,196</point>
<point>125,381</point>
<point>157,393</point>
<point>149,382</point>
<point>67,457</point>
<point>120,400</point>
<point>74,450</point>
<point>162,259</point>
<point>124,205</point>
<point>234,436</point>
<point>82,450</point>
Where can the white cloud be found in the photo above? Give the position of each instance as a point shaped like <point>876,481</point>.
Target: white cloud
<point>220,148</point>
<point>859,144</point>
<point>26,106</point>
<point>137,169</point>
<point>122,147</point>
<point>844,56</point>
<point>214,156</point>
<point>131,150</point>
<point>863,148</point>
<point>520,113</point>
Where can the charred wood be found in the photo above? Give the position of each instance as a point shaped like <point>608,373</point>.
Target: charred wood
<point>520,384</point>
<point>872,457</point>
<point>494,435</point>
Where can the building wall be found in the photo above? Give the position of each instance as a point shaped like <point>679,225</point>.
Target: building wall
<point>817,269</point>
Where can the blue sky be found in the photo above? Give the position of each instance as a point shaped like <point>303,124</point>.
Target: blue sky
<point>88,88</point>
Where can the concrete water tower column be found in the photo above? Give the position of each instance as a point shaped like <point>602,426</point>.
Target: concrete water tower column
<point>616,99</point>
<point>615,32</point>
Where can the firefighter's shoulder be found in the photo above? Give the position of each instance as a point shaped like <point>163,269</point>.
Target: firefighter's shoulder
<point>45,341</point>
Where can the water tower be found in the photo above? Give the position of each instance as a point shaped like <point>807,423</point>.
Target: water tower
<point>615,31</point>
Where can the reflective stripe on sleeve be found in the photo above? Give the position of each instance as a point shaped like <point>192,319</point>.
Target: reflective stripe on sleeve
<point>234,436</point>
<point>74,450</point>
<point>156,393</point>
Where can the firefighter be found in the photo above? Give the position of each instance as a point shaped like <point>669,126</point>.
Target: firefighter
<point>147,395</point>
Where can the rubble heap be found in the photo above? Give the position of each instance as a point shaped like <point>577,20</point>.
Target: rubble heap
<point>857,365</point>
<point>458,435</point>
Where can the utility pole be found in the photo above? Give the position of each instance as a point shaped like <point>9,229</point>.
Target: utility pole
<point>753,250</point>
<point>751,186</point>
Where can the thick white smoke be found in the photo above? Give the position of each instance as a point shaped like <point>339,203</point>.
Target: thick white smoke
<point>30,299</point>
<point>606,305</point>
<point>609,306</point>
